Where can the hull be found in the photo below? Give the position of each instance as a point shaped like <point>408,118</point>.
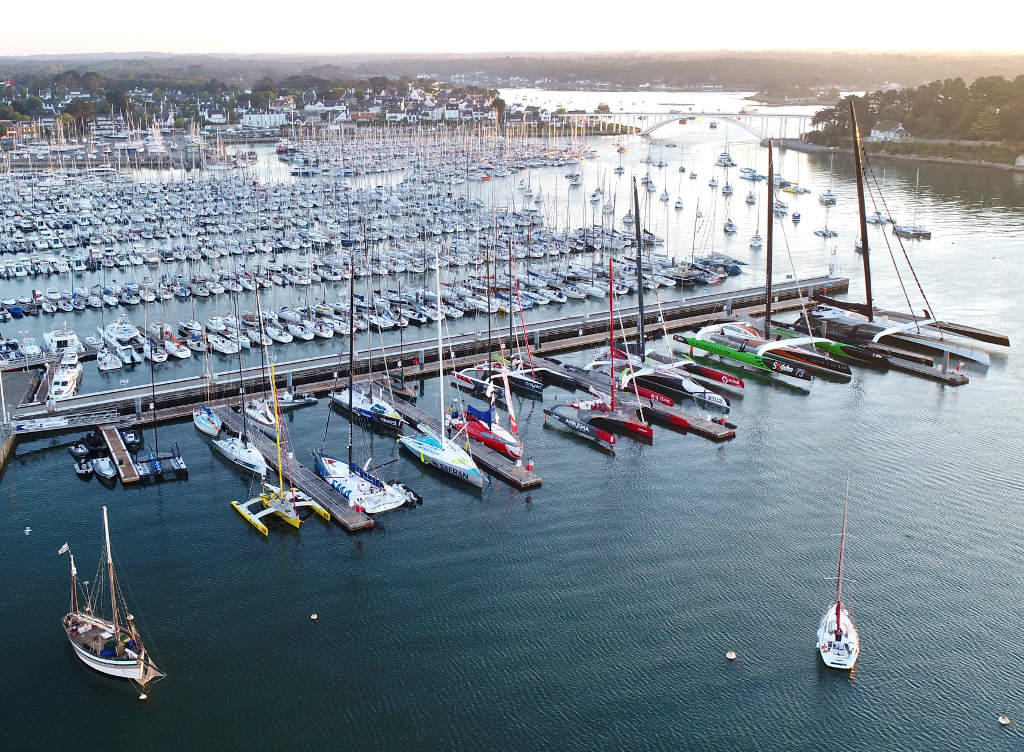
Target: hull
<point>206,422</point>
<point>839,654</point>
<point>760,363</point>
<point>456,463</point>
<point>124,669</point>
<point>243,455</point>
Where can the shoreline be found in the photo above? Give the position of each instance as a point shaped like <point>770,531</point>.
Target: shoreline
<point>797,145</point>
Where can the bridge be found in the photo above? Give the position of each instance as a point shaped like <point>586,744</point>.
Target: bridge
<point>646,123</point>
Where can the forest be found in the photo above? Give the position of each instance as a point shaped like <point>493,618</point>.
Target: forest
<point>991,109</point>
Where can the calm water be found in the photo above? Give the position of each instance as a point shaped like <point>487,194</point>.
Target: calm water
<point>594,612</point>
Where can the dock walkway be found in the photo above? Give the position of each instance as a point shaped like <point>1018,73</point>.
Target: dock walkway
<point>493,462</point>
<point>300,476</point>
<point>119,452</point>
<point>585,379</point>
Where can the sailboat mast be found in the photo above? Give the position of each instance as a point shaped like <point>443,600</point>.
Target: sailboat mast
<point>440,350</point>
<point>351,348</point>
<point>771,227</point>
<point>74,585</point>
<point>487,281</point>
<point>842,548</point>
<point>859,169</point>
<point>611,328</point>
<point>639,272</point>
<point>110,569</point>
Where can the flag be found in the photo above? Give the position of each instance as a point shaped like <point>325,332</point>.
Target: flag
<point>63,549</point>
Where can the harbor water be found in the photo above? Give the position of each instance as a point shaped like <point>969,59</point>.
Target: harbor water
<point>596,611</point>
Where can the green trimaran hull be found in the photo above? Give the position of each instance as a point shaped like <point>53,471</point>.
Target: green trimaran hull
<point>747,358</point>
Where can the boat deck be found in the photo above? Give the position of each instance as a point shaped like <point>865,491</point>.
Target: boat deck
<point>493,462</point>
<point>119,452</point>
<point>300,476</point>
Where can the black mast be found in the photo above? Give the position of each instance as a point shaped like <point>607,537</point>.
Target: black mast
<point>511,318</point>
<point>859,171</point>
<point>487,281</point>
<point>351,341</point>
<point>768,256</point>
<point>639,271</point>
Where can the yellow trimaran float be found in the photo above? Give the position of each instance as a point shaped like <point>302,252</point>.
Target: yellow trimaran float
<point>274,499</point>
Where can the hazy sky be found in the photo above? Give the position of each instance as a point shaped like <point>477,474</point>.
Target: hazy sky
<point>318,26</point>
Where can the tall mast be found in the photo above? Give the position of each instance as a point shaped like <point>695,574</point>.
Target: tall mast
<point>859,171</point>
<point>110,569</point>
<point>351,345</point>
<point>511,315</point>
<point>611,327</point>
<point>241,382</point>
<point>639,272</point>
<point>768,256</point>
<point>487,280</point>
<point>842,547</point>
<point>440,350</point>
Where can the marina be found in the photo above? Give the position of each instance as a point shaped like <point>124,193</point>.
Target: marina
<point>546,314</point>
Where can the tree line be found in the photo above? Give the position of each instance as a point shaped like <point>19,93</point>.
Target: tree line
<point>990,109</point>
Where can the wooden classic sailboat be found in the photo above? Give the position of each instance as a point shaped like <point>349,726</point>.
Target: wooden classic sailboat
<point>838,640</point>
<point>111,646</point>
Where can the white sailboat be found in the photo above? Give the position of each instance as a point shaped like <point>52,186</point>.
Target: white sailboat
<point>435,448</point>
<point>838,639</point>
<point>111,646</point>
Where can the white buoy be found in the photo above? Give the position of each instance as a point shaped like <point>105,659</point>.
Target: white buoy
<point>731,655</point>
<point>143,697</point>
<point>1004,720</point>
<point>312,617</point>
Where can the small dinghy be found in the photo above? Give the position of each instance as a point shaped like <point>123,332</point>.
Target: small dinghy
<point>83,468</point>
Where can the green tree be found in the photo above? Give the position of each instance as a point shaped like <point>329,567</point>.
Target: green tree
<point>499,106</point>
<point>29,106</point>
<point>118,100</point>
<point>82,111</point>
<point>603,109</point>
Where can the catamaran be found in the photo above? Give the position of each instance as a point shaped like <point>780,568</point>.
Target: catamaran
<point>838,640</point>
<point>111,646</point>
<point>434,447</point>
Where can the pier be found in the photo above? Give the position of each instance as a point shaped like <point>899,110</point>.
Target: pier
<point>493,462</point>
<point>300,476</point>
<point>119,453</point>
<point>317,374</point>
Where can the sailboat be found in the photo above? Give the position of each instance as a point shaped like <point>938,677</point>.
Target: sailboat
<point>111,646</point>
<point>276,499</point>
<point>364,491</point>
<point>434,447</point>
<point>203,417</point>
<point>240,449</point>
<point>838,640</point>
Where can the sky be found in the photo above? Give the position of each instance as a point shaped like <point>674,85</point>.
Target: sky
<point>465,26</point>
